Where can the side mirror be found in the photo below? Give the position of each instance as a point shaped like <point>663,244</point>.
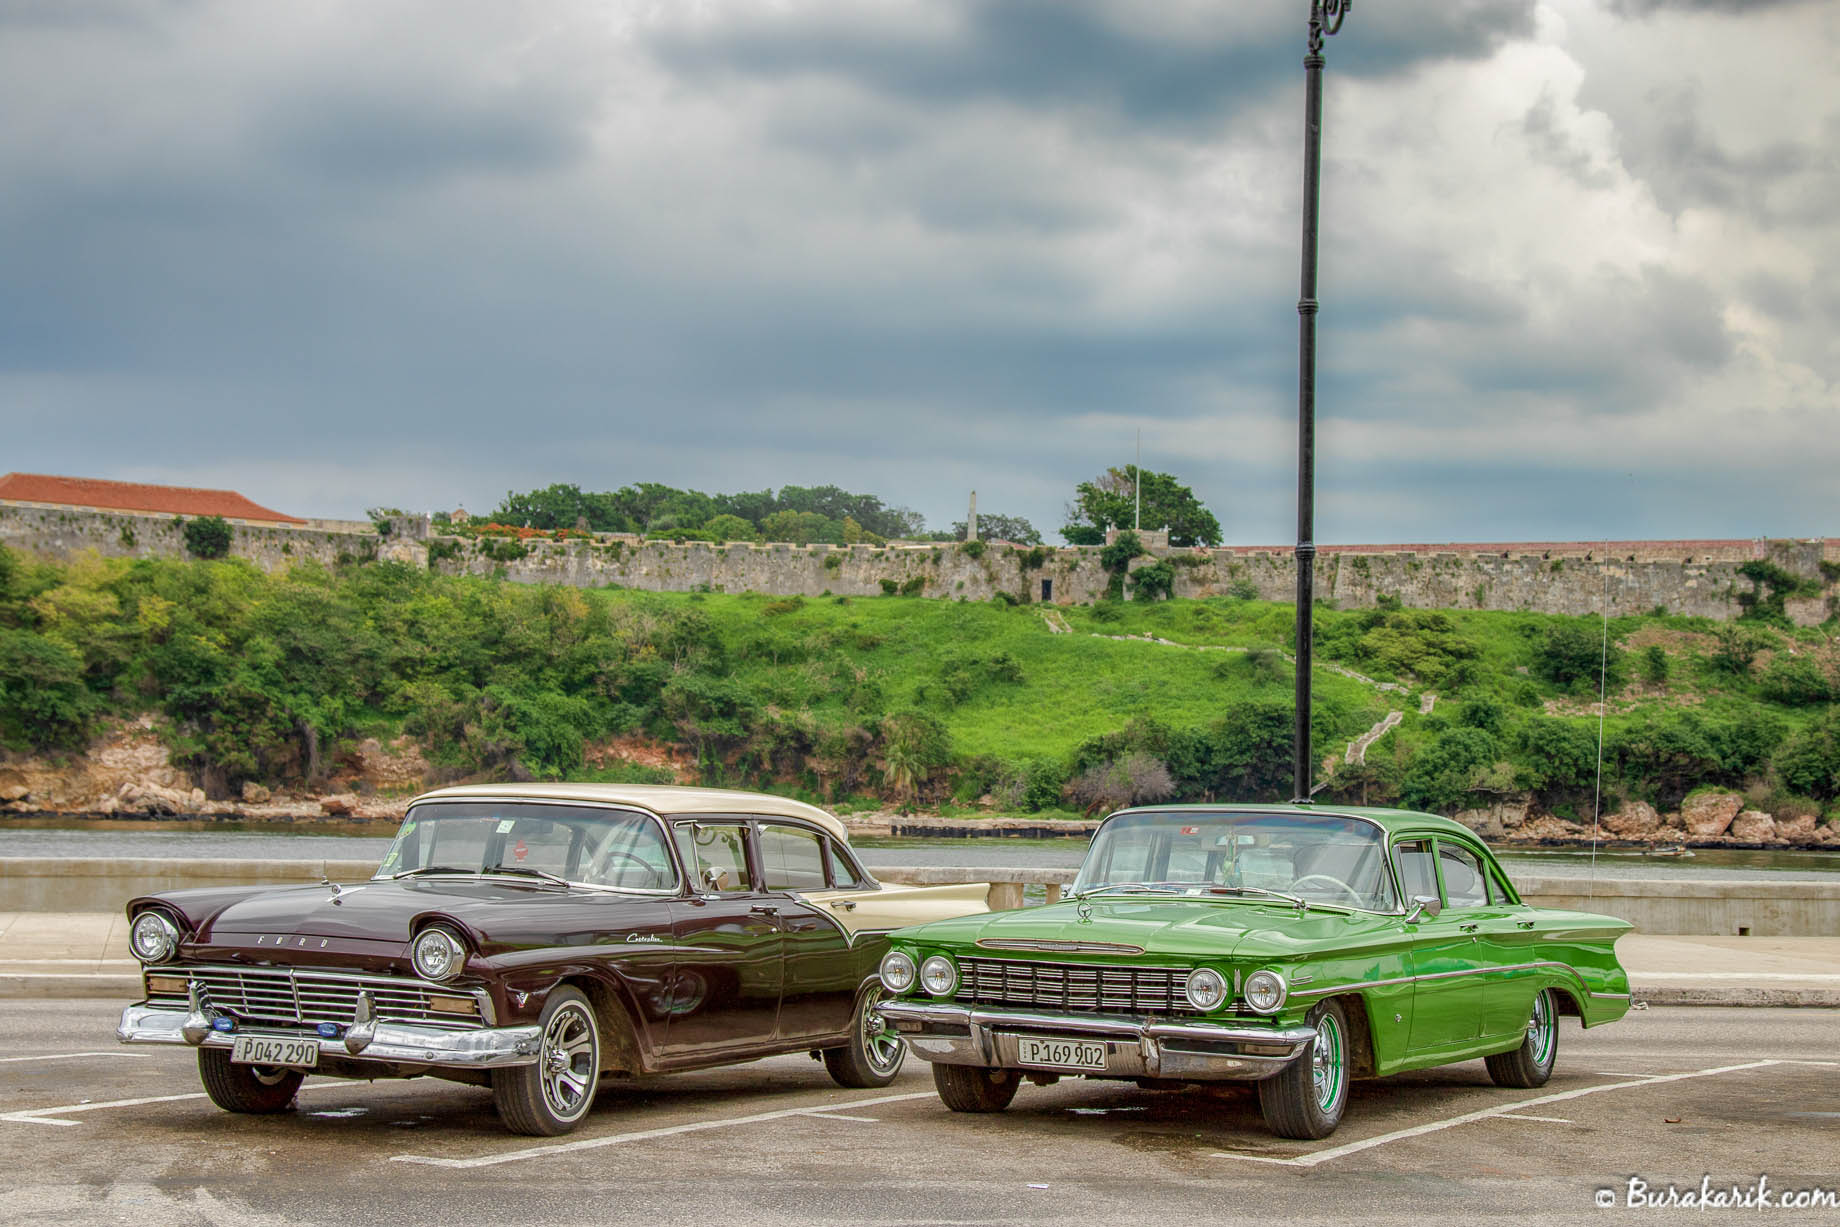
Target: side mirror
<point>1424,907</point>
<point>713,875</point>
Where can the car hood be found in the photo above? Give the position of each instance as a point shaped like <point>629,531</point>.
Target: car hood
<point>494,911</point>
<point>1182,928</point>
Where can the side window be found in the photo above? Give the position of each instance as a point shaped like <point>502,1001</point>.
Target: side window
<point>790,858</point>
<point>844,871</point>
<point>1416,870</point>
<point>1464,883</point>
<point>706,846</point>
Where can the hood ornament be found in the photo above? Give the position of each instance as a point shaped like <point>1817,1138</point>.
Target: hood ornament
<point>1084,908</point>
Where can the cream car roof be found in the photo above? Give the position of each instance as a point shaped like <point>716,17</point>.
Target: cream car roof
<point>662,799</point>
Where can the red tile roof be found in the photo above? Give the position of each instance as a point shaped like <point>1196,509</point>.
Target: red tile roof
<point>134,496</point>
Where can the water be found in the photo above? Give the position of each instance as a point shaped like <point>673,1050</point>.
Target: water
<point>369,841</point>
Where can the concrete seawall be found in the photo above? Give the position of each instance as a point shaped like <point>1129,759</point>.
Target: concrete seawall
<point>1750,907</point>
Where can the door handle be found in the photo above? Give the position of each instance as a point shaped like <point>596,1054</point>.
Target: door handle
<point>763,910</point>
<point>843,905</point>
<point>1524,924</point>
<point>1470,927</point>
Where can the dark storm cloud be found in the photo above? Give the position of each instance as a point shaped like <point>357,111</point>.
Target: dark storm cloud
<point>1079,53</point>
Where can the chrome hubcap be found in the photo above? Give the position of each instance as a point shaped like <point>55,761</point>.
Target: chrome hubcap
<point>883,1047</point>
<point>1541,1028</point>
<point>568,1062</point>
<point>1326,1072</point>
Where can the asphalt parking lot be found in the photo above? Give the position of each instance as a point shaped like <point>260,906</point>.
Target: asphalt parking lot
<point>98,1133</point>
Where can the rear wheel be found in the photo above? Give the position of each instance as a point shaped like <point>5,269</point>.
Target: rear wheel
<point>972,1088</point>
<point>255,1089</point>
<point>1306,1098</point>
<point>874,1054</point>
<point>552,1096</point>
<point>1532,1063</point>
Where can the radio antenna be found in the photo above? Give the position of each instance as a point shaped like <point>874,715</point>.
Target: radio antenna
<point>1603,672</point>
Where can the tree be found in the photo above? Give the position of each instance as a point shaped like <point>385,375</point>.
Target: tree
<point>1000,528</point>
<point>207,537</point>
<point>728,527</point>
<point>1110,501</point>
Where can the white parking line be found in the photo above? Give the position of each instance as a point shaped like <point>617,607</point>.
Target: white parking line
<point>1550,1120</point>
<point>1399,1135</point>
<point>620,1139</point>
<point>71,1056</point>
<point>46,1116</point>
<point>821,1114</point>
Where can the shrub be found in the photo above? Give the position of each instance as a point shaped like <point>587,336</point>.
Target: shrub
<point>43,701</point>
<point>442,549</point>
<point>973,548</point>
<point>1809,762</point>
<point>1126,781</point>
<point>207,537</point>
<point>889,587</point>
<point>1444,773</point>
<point>1575,654</point>
<point>1737,649</point>
<point>1795,681</point>
<point>1153,582</point>
<point>914,586</point>
<point>1654,664</point>
<point>1243,590</point>
<point>791,604</point>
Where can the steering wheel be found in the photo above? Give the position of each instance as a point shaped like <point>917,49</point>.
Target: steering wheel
<point>602,865</point>
<point>1336,883</point>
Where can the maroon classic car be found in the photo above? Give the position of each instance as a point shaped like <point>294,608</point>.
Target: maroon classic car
<point>538,939</point>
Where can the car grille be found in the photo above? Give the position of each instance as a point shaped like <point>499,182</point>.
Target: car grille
<point>1074,986</point>
<point>281,997</point>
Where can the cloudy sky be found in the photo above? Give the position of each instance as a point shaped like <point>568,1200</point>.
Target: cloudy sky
<point>1578,263</point>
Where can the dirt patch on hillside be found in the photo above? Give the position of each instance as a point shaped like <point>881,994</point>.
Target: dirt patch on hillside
<point>643,751</point>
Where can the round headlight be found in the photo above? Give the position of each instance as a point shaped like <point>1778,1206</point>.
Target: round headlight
<point>897,972</point>
<point>1265,991</point>
<point>1206,989</point>
<point>938,976</point>
<point>437,955</point>
<point>153,937</point>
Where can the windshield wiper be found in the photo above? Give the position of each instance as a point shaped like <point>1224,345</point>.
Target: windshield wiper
<point>1296,901</point>
<point>525,870</point>
<point>426,869</point>
<point>1138,888</point>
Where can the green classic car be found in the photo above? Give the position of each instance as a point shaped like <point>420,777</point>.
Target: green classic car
<point>1294,946</point>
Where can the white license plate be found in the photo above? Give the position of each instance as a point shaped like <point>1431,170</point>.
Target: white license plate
<point>1061,1054</point>
<point>264,1050</point>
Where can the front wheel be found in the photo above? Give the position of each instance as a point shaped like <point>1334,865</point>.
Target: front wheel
<point>1305,1099</point>
<point>255,1089</point>
<point>552,1096</point>
<point>972,1088</point>
<point>874,1054</point>
<point>1531,1064</point>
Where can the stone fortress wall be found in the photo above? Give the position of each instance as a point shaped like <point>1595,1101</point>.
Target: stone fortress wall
<point>1628,577</point>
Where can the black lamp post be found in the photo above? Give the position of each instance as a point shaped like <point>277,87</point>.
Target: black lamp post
<point>1325,19</point>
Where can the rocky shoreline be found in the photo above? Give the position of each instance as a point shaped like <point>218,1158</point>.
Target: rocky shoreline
<point>128,777</point>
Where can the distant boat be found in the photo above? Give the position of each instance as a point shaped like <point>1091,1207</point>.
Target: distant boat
<point>1667,850</point>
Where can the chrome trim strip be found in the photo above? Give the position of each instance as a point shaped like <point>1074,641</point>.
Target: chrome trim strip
<point>1612,996</point>
<point>1051,946</point>
<point>1354,985</point>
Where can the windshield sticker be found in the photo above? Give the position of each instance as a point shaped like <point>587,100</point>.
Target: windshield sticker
<point>505,825</point>
<point>389,862</point>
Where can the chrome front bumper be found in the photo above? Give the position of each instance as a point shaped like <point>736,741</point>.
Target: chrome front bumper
<point>383,1042</point>
<point>953,1034</point>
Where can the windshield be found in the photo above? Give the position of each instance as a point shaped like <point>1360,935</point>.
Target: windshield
<point>1317,858</point>
<point>581,844</point>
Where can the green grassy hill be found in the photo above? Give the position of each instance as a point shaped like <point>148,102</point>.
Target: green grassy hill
<point>907,700</point>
